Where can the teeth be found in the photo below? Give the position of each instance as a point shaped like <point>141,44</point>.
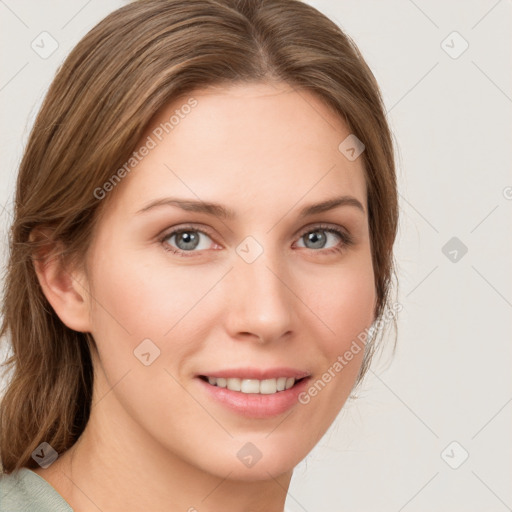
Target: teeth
<point>263,387</point>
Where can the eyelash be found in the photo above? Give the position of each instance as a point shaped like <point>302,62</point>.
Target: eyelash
<point>346,239</point>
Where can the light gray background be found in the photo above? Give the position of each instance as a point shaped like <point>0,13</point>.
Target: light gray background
<point>450,378</point>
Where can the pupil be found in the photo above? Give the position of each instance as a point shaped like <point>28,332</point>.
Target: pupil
<point>186,240</point>
<point>317,239</point>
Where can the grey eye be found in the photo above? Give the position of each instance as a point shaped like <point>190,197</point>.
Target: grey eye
<point>187,240</point>
<point>317,238</point>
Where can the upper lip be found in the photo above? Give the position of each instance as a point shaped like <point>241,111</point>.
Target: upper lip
<point>257,373</point>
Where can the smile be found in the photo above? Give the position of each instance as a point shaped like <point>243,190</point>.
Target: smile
<point>255,398</point>
<point>263,387</point>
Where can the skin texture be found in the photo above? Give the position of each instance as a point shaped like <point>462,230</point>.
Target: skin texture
<point>155,441</point>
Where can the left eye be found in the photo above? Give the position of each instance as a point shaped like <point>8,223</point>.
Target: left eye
<point>317,237</point>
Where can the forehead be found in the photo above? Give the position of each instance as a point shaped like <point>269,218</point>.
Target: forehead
<point>244,145</point>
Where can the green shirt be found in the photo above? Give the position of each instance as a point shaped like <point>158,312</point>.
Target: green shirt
<point>26,491</point>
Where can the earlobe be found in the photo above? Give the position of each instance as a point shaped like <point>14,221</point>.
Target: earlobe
<point>63,287</point>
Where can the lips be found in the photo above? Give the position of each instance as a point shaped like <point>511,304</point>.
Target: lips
<point>266,403</point>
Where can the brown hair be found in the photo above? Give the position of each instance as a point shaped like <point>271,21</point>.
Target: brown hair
<point>104,95</point>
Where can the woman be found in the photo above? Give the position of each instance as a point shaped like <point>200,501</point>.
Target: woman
<point>201,252</point>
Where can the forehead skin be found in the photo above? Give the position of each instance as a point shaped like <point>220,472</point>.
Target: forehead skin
<point>262,149</point>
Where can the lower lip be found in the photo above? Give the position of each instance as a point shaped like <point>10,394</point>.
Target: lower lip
<point>256,405</point>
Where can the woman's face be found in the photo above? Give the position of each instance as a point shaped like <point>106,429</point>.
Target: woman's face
<point>265,293</point>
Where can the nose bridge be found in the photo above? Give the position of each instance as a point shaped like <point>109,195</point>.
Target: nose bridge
<point>261,302</point>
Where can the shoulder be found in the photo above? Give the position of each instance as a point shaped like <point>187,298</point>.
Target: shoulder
<point>25,491</point>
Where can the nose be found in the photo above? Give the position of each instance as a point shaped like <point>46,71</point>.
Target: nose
<point>260,302</point>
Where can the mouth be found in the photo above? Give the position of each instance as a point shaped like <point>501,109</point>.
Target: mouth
<point>275,392</point>
<point>254,386</point>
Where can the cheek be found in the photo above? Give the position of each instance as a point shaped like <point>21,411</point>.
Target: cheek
<point>351,313</point>
<point>140,300</point>
<point>345,309</point>
<point>146,308</point>
<point>132,303</point>
<point>344,303</point>
<point>351,305</point>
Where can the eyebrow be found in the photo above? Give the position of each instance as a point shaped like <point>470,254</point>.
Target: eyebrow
<point>222,212</point>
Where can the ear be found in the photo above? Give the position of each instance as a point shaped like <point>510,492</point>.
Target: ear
<point>65,288</point>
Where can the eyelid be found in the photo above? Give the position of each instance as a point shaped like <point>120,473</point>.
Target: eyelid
<point>322,225</point>
<point>167,232</point>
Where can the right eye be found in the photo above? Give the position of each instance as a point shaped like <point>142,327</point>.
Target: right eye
<point>186,240</point>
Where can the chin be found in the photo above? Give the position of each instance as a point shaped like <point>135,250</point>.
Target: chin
<point>260,460</point>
